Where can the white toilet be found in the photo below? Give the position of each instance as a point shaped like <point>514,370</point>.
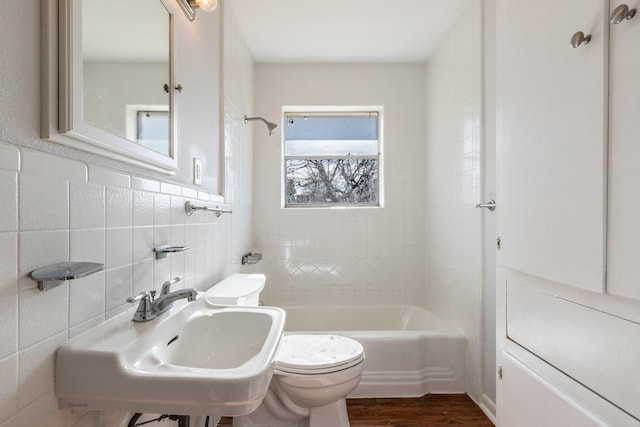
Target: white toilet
<point>313,375</point>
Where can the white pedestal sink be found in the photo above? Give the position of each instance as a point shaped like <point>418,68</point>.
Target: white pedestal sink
<point>196,359</point>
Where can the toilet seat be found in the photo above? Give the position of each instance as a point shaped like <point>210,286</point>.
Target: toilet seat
<point>317,354</point>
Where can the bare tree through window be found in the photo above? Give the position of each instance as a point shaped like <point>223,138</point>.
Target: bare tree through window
<point>342,181</point>
<point>332,160</point>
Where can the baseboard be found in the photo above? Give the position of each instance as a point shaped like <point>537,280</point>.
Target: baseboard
<point>488,406</point>
<point>408,383</point>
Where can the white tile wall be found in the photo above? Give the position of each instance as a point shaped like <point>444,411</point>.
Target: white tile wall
<point>48,218</point>
<point>360,256</point>
<point>453,159</point>
<point>55,209</point>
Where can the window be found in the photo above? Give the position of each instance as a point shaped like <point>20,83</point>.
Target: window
<point>153,130</point>
<point>332,158</point>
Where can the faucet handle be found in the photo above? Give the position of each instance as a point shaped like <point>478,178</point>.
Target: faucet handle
<point>145,310</point>
<point>166,286</point>
<point>139,297</point>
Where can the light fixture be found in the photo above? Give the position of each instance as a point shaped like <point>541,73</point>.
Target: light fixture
<point>190,6</point>
<point>272,127</point>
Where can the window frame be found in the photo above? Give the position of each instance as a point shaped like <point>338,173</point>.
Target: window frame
<point>333,110</point>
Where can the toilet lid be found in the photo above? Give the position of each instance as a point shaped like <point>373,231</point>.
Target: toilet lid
<point>317,352</point>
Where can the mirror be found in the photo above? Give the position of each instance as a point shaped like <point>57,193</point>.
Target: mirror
<point>111,94</point>
<point>125,70</point>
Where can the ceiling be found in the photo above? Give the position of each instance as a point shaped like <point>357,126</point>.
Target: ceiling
<point>339,31</point>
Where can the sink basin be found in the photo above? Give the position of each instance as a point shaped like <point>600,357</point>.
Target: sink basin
<point>243,334</point>
<point>196,359</point>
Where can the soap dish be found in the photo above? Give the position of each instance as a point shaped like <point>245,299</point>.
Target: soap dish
<point>55,275</point>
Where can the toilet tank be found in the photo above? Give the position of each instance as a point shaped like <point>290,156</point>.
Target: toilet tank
<point>237,289</point>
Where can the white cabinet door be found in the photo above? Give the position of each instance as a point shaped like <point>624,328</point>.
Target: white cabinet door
<point>553,399</point>
<point>567,156</point>
<point>624,159</point>
<point>551,107</point>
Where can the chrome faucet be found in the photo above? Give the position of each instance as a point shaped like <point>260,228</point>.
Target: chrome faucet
<point>150,307</point>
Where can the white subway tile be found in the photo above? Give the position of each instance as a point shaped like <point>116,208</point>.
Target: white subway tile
<point>9,263</point>
<point>87,205</point>
<point>119,207</point>
<point>177,264</point>
<point>143,244</point>
<point>86,419</point>
<point>162,236</point>
<point>161,272</point>
<point>118,287</point>
<point>9,157</point>
<point>86,298</point>
<point>8,324</point>
<point>177,235</point>
<point>8,387</point>
<point>161,209</point>
<point>11,422</point>
<point>45,164</point>
<point>44,203</point>
<point>9,197</point>
<point>142,209</point>
<point>119,247</point>
<point>43,412</point>
<point>203,195</point>
<point>172,189</point>
<point>178,214</point>
<point>36,369</point>
<point>41,314</point>
<point>110,314</point>
<point>108,177</point>
<point>116,418</point>
<point>87,245</point>
<point>85,326</point>
<point>144,184</point>
<point>190,193</point>
<point>142,277</point>
<point>39,249</point>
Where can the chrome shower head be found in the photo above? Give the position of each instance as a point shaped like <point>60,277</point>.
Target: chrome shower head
<point>272,127</point>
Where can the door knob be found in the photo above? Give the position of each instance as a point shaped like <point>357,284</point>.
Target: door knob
<point>491,205</point>
<point>579,38</point>
<point>621,13</point>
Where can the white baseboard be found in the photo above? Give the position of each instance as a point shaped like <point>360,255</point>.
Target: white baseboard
<point>488,406</point>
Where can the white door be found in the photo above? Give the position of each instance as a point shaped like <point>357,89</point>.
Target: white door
<point>624,159</point>
<point>553,168</point>
<point>550,118</point>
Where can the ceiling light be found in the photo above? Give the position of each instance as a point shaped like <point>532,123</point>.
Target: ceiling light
<point>190,6</point>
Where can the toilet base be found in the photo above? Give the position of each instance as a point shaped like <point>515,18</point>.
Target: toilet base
<point>334,415</point>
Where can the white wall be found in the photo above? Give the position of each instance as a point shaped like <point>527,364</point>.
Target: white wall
<point>453,168</point>
<point>360,256</point>
<point>61,205</point>
<point>238,138</point>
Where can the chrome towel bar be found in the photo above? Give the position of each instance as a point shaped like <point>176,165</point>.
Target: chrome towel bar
<point>190,208</point>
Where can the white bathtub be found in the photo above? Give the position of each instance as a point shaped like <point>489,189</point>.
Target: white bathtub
<point>408,350</point>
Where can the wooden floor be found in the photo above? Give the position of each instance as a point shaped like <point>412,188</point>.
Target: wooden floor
<point>432,410</point>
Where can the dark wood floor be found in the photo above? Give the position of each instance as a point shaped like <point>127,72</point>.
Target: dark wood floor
<point>432,410</point>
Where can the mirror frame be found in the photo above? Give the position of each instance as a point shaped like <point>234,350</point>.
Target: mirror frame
<point>63,93</point>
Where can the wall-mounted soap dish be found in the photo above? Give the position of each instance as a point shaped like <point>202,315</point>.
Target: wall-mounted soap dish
<point>55,275</point>
<point>162,251</point>
<point>251,258</point>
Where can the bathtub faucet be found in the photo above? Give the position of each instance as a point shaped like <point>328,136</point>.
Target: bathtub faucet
<point>150,307</point>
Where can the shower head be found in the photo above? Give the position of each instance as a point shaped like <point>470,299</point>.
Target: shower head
<point>272,127</point>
